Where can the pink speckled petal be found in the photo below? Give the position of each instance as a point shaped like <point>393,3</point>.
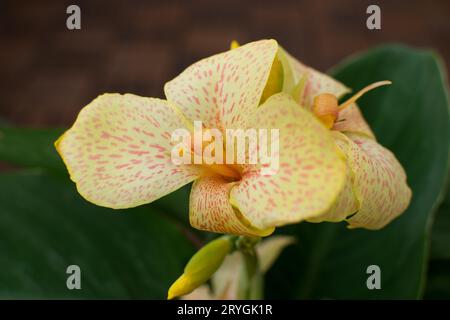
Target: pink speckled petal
<point>351,120</point>
<point>224,89</point>
<point>345,205</point>
<point>211,210</point>
<point>118,151</point>
<point>379,181</point>
<point>316,82</point>
<point>312,169</point>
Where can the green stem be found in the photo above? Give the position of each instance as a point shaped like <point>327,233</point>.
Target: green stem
<point>252,284</point>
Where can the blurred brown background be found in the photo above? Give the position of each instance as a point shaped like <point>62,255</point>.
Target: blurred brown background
<point>49,72</point>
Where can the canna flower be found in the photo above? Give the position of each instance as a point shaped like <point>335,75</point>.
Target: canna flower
<point>118,152</point>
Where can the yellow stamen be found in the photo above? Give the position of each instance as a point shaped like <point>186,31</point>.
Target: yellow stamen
<point>361,92</point>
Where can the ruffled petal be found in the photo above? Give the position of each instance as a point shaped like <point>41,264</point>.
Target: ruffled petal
<point>379,182</point>
<point>311,173</point>
<point>211,210</point>
<point>224,89</point>
<point>118,152</point>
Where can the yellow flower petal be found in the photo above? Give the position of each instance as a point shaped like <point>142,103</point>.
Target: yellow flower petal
<point>275,82</point>
<point>312,170</point>
<point>211,210</point>
<point>118,151</point>
<point>345,205</point>
<point>224,89</point>
<point>379,182</point>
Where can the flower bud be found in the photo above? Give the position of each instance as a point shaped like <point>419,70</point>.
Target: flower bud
<point>201,267</point>
<point>234,44</point>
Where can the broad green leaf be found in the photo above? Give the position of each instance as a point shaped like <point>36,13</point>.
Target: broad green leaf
<point>176,204</point>
<point>45,226</point>
<point>411,118</point>
<point>440,236</point>
<point>438,281</point>
<point>30,148</point>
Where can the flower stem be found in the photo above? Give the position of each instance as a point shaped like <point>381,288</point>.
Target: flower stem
<point>252,282</point>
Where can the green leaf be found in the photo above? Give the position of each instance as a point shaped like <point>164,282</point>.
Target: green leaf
<point>31,148</point>
<point>440,236</point>
<point>176,204</point>
<point>411,118</point>
<point>45,226</point>
<point>438,282</point>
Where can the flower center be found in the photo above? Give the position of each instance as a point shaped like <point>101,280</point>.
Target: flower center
<point>225,151</point>
<point>229,172</point>
<point>207,152</point>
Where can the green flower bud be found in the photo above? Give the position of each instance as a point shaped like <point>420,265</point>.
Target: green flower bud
<point>201,267</point>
